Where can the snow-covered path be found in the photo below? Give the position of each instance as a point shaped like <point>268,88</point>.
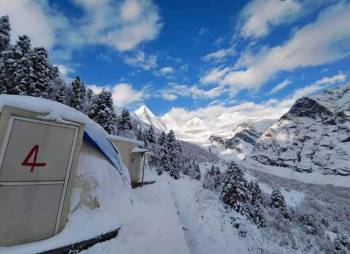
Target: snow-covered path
<point>154,226</point>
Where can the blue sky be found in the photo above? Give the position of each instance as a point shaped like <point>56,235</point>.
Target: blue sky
<point>192,54</point>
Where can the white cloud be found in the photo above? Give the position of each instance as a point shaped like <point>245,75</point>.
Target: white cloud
<point>166,70</point>
<point>319,85</point>
<point>30,18</point>
<point>130,10</point>
<point>259,16</point>
<point>213,76</point>
<point>96,89</point>
<point>323,41</point>
<point>219,55</point>
<point>65,70</point>
<point>124,94</point>
<point>216,118</point>
<point>332,80</point>
<point>122,25</point>
<point>280,86</point>
<point>173,91</point>
<point>168,96</point>
<point>141,60</point>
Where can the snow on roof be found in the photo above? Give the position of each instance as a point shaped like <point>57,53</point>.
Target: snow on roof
<point>127,140</point>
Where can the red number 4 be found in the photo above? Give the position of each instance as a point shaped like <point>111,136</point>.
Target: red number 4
<point>32,164</point>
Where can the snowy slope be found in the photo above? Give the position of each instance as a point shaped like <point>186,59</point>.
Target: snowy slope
<point>153,226</point>
<point>314,136</point>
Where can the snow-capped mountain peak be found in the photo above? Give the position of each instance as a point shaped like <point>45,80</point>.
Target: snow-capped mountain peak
<point>147,116</point>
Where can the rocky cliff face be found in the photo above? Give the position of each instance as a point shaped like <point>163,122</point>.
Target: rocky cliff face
<point>313,136</point>
<point>242,141</point>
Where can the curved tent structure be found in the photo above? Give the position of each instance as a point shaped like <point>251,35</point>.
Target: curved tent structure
<point>100,189</point>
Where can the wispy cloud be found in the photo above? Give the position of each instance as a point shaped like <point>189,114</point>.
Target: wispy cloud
<point>173,91</point>
<point>280,86</point>
<point>167,70</point>
<point>219,54</point>
<point>259,16</point>
<point>325,40</point>
<point>141,60</point>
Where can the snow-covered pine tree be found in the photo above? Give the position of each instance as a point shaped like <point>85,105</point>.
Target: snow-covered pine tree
<point>174,150</point>
<point>140,135</point>
<point>257,216</point>
<point>124,121</point>
<point>77,96</point>
<point>277,201</point>
<point>197,172</point>
<point>102,111</point>
<point>16,71</point>
<point>235,190</point>
<point>169,156</point>
<point>161,139</point>
<point>89,96</point>
<point>43,73</point>
<point>61,94</point>
<point>164,164</point>
<point>256,195</point>
<point>151,136</point>
<point>5,30</point>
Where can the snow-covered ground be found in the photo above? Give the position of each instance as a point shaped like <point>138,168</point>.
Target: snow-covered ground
<point>153,225</point>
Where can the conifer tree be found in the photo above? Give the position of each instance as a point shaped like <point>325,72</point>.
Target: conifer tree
<point>16,71</point>
<point>139,134</point>
<point>43,73</point>
<point>77,95</point>
<point>197,172</point>
<point>61,94</point>
<point>256,195</point>
<point>5,29</point>
<point>173,149</point>
<point>235,191</point>
<point>277,201</point>
<point>124,121</point>
<point>170,152</point>
<point>151,136</point>
<point>102,111</point>
<point>161,139</point>
<point>257,217</point>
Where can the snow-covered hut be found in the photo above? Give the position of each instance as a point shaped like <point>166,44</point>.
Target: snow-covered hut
<point>132,154</point>
<point>97,193</point>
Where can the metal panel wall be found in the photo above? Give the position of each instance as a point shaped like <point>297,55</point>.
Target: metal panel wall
<point>36,160</point>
